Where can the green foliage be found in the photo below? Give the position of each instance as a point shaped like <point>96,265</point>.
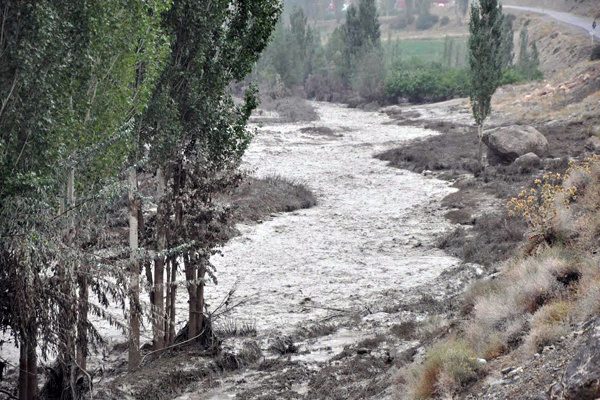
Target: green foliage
<point>85,85</point>
<point>420,82</point>
<point>507,42</point>
<point>292,53</point>
<point>528,61</point>
<point>485,59</point>
<point>360,32</point>
<point>454,360</point>
<point>296,56</point>
<point>426,21</point>
<point>69,84</point>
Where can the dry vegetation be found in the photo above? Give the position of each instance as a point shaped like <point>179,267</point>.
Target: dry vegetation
<point>538,294</point>
<point>256,198</point>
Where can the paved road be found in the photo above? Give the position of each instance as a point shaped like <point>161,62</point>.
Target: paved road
<point>575,20</point>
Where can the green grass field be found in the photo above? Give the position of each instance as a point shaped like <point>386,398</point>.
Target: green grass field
<point>427,50</point>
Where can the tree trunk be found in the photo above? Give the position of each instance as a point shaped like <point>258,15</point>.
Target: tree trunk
<point>70,318</point>
<point>173,298</point>
<point>134,279</point>
<point>32,384</point>
<point>480,148</point>
<point>200,299</point>
<point>23,379</point>
<point>158,315</point>
<point>149,277</point>
<point>190,277</point>
<point>167,303</point>
<point>82,318</point>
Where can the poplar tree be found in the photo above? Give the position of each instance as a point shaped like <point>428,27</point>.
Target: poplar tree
<point>197,136</point>
<point>69,82</point>
<point>485,60</point>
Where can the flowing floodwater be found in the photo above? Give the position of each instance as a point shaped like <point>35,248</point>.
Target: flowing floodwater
<point>367,234</point>
<point>370,234</point>
<point>366,243</point>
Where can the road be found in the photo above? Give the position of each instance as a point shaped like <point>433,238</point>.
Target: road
<point>575,20</point>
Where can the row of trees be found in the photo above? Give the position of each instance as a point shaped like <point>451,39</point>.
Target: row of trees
<point>352,58</point>
<point>94,96</point>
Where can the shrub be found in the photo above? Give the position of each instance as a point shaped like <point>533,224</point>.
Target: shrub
<point>323,87</point>
<point>551,314</point>
<point>543,336</point>
<point>420,82</point>
<point>595,53</point>
<point>257,198</point>
<point>401,22</point>
<point>538,206</point>
<point>447,366</point>
<point>426,21</point>
<point>511,76</point>
<point>444,21</point>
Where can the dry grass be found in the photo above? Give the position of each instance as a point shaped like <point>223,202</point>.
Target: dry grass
<point>233,328</point>
<point>534,300</point>
<point>548,324</point>
<point>448,366</point>
<point>291,109</point>
<point>256,198</point>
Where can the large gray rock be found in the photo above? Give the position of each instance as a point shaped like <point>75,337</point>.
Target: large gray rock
<point>581,380</point>
<point>528,162</point>
<point>508,143</point>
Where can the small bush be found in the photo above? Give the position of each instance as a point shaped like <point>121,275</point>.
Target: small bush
<point>444,21</point>
<point>478,289</point>
<point>405,330</point>
<point>283,345</point>
<point>426,21</point>
<point>511,76</point>
<point>543,336</point>
<point>595,53</point>
<point>551,314</point>
<point>538,205</point>
<point>232,328</point>
<point>453,361</point>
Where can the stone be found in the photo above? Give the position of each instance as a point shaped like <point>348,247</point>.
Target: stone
<point>506,144</point>
<point>593,144</point>
<point>506,370</point>
<point>581,380</point>
<point>528,162</point>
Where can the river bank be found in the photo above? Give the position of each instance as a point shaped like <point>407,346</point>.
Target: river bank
<point>354,281</point>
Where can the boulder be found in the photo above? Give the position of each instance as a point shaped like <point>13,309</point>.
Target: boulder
<point>528,162</point>
<point>508,143</point>
<point>581,380</point>
<point>593,144</point>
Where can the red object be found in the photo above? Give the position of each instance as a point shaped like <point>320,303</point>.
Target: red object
<point>401,4</point>
<point>331,6</point>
